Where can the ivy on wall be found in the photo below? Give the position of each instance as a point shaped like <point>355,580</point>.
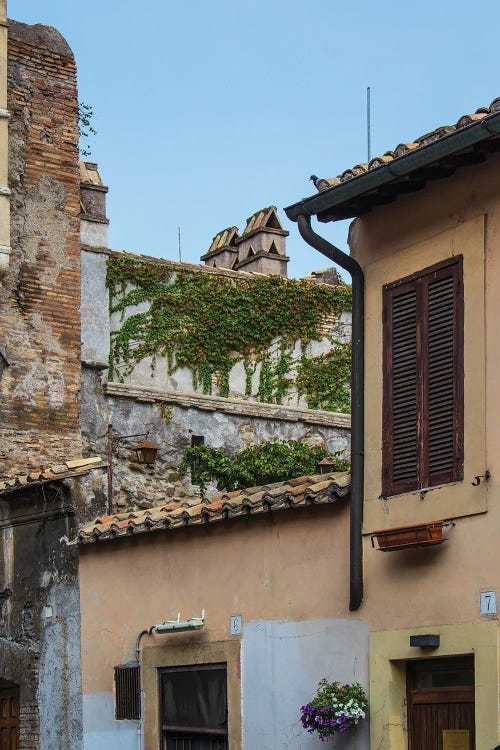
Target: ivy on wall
<point>210,322</point>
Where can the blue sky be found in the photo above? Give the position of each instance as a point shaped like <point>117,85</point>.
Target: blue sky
<point>208,111</point>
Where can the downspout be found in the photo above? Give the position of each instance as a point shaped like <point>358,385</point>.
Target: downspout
<point>357,402</point>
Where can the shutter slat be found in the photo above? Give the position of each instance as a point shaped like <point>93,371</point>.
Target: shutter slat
<point>404,391</point>
<point>441,377</point>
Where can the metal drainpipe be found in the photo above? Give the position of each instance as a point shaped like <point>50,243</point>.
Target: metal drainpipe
<point>357,402</point>
<point>148,631</point>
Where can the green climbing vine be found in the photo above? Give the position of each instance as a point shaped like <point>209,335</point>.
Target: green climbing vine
<point>209,322</point>
<point>260,464</point>
<point>325,380</point>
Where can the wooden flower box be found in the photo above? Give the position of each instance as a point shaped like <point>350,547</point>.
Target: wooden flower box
<point>409,537</point>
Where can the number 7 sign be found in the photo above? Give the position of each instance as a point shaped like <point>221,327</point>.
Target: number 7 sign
<point>488,603</point>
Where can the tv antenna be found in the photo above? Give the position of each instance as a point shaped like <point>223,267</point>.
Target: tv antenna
<point>368,123</point>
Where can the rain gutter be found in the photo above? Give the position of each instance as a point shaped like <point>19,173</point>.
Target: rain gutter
<point>400,168</point>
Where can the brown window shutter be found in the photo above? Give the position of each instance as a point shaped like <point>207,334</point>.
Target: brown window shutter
<point>423,380</point>
<point>444,363</point>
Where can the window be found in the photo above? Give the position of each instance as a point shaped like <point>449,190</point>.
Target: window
<point>194,707</point>
<point>423,379</point>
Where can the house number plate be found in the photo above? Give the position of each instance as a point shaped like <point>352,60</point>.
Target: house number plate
<point>488,603</point>
<point>235,625</point>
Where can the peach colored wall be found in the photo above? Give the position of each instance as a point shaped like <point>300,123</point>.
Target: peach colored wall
<point>292,565</point>
<point>422,587</point>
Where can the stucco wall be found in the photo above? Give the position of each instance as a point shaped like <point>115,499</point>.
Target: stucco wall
<point>97,324</point>
<point>286,574</point>
<point>434,588</point>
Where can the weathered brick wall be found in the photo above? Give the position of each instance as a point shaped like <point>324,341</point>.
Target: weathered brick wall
<point>39,294</point>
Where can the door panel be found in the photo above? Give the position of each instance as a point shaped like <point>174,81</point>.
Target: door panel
<point>9,718</point>
<point>429,721</point>
<point>440,697</point>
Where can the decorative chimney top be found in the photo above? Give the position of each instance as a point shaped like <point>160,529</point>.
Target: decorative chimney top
<point>261,247</point>
<point>223,252</point>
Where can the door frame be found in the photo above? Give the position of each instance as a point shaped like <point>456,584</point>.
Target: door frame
<point>464,694</point>
<point>389,652</point>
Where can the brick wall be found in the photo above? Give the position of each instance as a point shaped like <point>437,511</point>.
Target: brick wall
<point>39,294</point>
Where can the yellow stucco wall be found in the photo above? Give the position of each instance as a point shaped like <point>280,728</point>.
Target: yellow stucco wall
<point>389,652</point>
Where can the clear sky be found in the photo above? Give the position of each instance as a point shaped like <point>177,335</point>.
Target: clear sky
<point>208,110</point>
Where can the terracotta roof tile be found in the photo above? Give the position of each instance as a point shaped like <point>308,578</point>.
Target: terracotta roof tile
<point>297,492</point>
<point>72,468</point>
<point>403,148</point>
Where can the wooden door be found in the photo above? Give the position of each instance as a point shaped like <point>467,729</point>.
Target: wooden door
<point>9,718</point>
<point>441,704</point>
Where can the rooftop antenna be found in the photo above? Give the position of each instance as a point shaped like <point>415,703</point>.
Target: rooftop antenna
<point>368,124</point>
<point>179,240</point>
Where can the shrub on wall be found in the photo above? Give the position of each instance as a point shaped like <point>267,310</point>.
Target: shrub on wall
<point>263,463</point>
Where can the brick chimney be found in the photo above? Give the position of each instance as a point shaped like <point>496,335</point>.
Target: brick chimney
<point>93,221</point>
<point>223,252</point>
<point>261,247</point>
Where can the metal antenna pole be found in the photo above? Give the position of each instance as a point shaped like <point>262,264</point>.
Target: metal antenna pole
<point>179,239</point>
<point>368,124</point>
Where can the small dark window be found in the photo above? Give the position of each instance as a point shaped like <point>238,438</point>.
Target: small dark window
<point>423,379</point>
<point>194,707</point>
<point>128,691</point>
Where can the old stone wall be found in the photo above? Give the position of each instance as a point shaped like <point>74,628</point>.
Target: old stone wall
<point>172,420</point>
<point>39,294</point>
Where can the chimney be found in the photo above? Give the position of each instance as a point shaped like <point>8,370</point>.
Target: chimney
<point>261,247</point>
<point>223,252</point>
<point>93,221</point>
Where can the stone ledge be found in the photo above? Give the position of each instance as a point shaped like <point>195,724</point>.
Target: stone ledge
<point>230,405</point>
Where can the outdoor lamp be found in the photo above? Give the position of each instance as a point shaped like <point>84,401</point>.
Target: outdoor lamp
<point>325,466</point>
<point>146,452</point>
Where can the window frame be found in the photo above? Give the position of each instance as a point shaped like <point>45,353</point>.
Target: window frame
<point>217,735</point>
<point>420,281</point>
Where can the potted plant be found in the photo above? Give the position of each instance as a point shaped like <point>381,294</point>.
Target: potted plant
<point>335,708</point>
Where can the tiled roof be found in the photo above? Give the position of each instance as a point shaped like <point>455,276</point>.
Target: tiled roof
<point>71,468</point>
<point>224,239</point>
<point>404,148</point>
<point>266,219</point>
<point>300,492</point>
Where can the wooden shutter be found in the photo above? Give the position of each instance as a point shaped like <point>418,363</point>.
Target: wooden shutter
<point>423,380</point>
<point>128,691</point>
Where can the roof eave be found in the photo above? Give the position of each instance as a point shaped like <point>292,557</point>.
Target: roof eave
<point>337,202</point>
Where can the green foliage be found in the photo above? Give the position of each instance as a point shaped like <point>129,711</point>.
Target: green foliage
<point>260,464</point>
<point>325,380</point>
<point>210,322</point>
<point>85,129</point>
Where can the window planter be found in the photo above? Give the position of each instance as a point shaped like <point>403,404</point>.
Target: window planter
<point>410,537</point>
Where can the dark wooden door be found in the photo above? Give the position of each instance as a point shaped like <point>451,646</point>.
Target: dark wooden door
<point>9,718</point>
<point>441,704</point>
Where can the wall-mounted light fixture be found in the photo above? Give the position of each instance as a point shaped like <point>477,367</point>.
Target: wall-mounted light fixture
<point>146,452</point>
<point>325,466</point>
<point>425,641</point>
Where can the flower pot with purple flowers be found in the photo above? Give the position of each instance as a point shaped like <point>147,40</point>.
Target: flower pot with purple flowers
<point>334,709</point>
